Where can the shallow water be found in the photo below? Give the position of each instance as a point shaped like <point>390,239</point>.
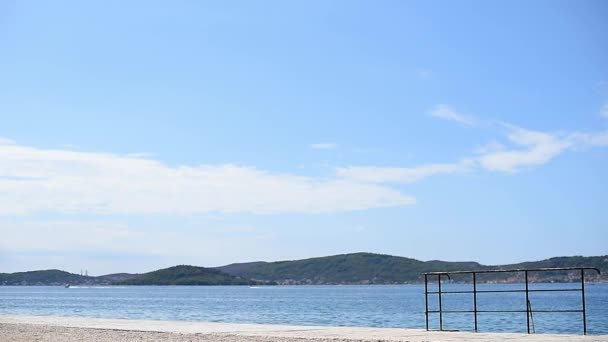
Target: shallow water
<point>375,306</point>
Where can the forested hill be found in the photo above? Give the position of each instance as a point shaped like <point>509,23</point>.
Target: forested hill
<point>186,275</point>
<point>43,277</point>
<point>356,268</point>
<point>177,275</point>
<point>369,268</point>
<point>57,277</point>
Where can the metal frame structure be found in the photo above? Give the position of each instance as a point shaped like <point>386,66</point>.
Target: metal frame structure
<point>528,311</point>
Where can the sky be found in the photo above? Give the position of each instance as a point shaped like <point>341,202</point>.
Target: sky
<point>144,134</point>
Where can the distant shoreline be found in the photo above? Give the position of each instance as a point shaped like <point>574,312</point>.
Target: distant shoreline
<point>587,282</point>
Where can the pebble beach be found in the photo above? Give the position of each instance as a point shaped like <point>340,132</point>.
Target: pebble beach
<point>53,328</point>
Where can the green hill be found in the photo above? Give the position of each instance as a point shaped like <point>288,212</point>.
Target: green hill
<point>356,268</point>
<point>178,275</point>
<point>368,268</point>
<point>185,275</point>
<point>43,277</point>
<point>600,262</point>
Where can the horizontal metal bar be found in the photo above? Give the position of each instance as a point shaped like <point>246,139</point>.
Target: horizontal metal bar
<point>556,311</point>
<point>442,292</point>
<point>553,290</point>
<point>479,311</point>
<point>518,270</point>
<point>500,311</point>
<point>506,291</point>
<point>445,330</point>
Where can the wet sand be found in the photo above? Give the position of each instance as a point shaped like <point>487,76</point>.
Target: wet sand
<point>52,328</point>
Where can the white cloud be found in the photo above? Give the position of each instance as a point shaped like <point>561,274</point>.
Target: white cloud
<point>491,147</point>
<point>447,113</point>
<point>598,139</point>
<point>402,174</point>
<point>39,180</point>
<point>42,180</point>
<point>589,139</point>
<point>537,148</point>
<point>324,146</point>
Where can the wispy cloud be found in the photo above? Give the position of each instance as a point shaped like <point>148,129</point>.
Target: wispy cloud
<point>324,146</point>
<point>533,148</point>
<point>491,147</point>
<point>585,139</point>
<point>402,174</point>
<point>39,180</point>
<point>445,112</point>
<point>536,148</point>
<point>526,148</point>
<point>55,180</point>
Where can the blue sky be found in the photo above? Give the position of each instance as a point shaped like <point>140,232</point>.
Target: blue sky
<point>142,134</point>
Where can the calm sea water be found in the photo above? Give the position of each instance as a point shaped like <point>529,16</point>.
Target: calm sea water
<point>374,306</point>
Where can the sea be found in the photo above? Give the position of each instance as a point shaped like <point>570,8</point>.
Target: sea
<point>395,306</point>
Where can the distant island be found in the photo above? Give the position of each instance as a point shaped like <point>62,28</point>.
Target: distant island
<point>344,269</point>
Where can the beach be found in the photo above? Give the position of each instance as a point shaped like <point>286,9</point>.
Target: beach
<point>54,328</point>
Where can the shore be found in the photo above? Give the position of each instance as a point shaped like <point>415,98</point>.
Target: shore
<point>52,328</point>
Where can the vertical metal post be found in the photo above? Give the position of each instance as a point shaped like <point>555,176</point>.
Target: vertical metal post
<point>426,300</point>
<point>475,299</point>
<point>527,303</point>
<point>440,310</point>
<point>583,297</point>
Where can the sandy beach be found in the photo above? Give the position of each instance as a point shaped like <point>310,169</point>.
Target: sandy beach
<point>51,328</point>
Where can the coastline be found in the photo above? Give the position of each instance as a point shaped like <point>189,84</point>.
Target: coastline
<point>56,328</point>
